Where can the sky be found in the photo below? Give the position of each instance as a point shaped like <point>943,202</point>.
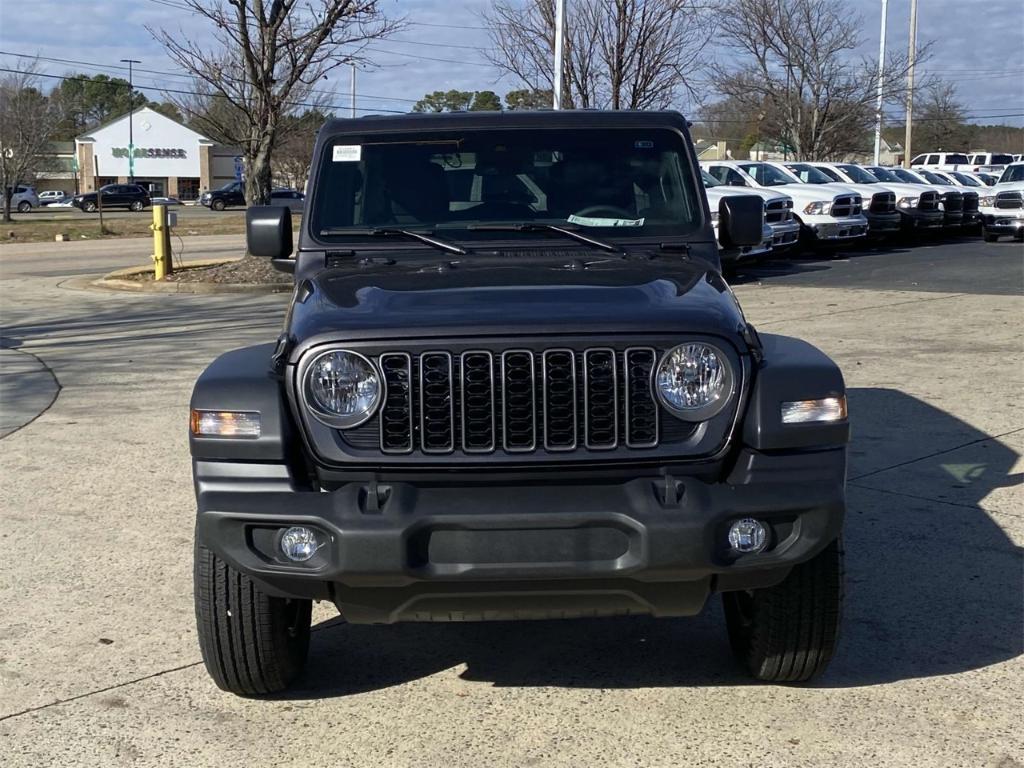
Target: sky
<point>977,44</point>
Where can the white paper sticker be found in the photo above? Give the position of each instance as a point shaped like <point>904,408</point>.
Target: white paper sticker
<point>347,153</point>
<point>592,221</point>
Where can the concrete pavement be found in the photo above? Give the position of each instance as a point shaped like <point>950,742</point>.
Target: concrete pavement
<point>98,659</point>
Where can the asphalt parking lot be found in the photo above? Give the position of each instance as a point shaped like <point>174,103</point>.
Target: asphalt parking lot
<point>98,659</point>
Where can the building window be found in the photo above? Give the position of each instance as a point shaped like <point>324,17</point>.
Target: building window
<point>188,188</point>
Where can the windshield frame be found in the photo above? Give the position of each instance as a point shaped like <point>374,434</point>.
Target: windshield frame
<point>461,232</point>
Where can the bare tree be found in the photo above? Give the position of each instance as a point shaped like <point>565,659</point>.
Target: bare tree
<point>28,120</point>
<point>619,54</point>
<point>797,73</point>
<point>940,120</point>
<point>265,64</point>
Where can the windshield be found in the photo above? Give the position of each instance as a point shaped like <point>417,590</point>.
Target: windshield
<point>709,180</point>
<point>967,181</point>
<point>808,174</point>
<point>231,185</point>
<point>902,174</point>
<point>626,182</point>
<point>859,176</point>
<point>1013,173</point>
<point>768,175</point>
<point>832,174</point>
<point>934,178</point>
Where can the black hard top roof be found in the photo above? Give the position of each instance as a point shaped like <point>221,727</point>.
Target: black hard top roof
<point>520,118</point>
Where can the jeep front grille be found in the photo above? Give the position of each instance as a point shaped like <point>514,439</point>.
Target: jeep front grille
<point>518,401</point>
<point>846,206</point>
<point>883,202</point>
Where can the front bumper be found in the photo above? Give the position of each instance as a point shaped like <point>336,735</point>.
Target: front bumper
<point>406,551</point>
<point>784,234</point>
<point>831,229</point>
<point>883,223</point>
<point>1003,221</point>
<point>914,218</point>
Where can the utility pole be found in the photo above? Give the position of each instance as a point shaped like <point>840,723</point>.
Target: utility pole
<point>559,51</point>
<point>912,54</point>
<point>352,88</point>
<point>881,72</point>
<point>131,111</point>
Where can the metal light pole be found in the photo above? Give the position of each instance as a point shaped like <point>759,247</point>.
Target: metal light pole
<point>559,52</point>
<point>352,89</point>
<point>881,72</point>
<point>912,54</point>
<point>131,111</point>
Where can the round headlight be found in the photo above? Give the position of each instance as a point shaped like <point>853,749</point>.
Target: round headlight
<point>342,388</point>
<point>694,381</point>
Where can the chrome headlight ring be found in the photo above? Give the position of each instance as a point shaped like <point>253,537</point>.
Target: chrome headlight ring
<point>694,381</point>
<point>341,388</point>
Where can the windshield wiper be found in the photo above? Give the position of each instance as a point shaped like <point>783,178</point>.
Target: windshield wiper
<point>535,226</point>
<point>441,245</point>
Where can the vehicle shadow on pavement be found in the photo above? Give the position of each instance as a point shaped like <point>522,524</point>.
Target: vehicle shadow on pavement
<point>933,588</point>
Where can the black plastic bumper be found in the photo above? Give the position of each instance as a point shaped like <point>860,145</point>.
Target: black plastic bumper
<point>400,551</point>
<point>917,219</point>
<point>883,223</point>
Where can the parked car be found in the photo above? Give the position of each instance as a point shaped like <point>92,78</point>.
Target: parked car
<point>880,202</point>
<point>169,201</point>
<point>990,161</point>
<point>1002,206</point>
<point>952,198</point>
<point>23,198</point>
<point>289,198</point>
<point>916,209</point>
<point>778,212</point>
<point>728,253</point>
<point>827,213</point>
<point>51,196</point>
<point>942,161</point>
<point>230,195</point>
<point>134,197</point>
<point>970,197</point>
<point>544,409</point>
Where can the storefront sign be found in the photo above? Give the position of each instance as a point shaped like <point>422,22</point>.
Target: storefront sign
<point>150,152</point>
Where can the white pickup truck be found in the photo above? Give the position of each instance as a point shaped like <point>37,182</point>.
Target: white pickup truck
<point>916,209</point>
<point>783,228</point>
<point>1002,206</point>
<point>879,201</point>
<point>827,213</point>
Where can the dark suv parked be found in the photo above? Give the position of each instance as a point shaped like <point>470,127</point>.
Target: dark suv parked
<point>232,194</point>
<point>513,384</point>
<point>130,196</point>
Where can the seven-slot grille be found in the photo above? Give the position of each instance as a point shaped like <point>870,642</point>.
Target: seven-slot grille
<point>518,401</point>
<point>953,202</point>
<point>778,211</point>
<point>1009,201</point>
<point>846,206</point>
<point>883,202</point>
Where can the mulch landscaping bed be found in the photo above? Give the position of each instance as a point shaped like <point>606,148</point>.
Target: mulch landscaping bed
<point>248,270</point>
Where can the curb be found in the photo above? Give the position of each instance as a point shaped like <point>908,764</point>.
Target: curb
<point>116,281</point>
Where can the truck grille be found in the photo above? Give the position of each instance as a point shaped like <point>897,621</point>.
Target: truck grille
<point>953,202</point>
<point>778,211</point>
<point>1010,201</point>
<point>970,202</point>
<point>846,206</point>
<point>883,202</point>
<point>929,201</point>
<point>517,401</point>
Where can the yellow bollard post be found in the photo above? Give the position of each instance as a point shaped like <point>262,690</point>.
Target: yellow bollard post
<point>161,243</point>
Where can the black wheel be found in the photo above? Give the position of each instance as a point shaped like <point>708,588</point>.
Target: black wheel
<point>217,205</point>
<point>788,633</point>
<point>89,207</point>
<point>24,206</point>
<point>989,237</point>
<point>252,643</point>
<point>136,205</point>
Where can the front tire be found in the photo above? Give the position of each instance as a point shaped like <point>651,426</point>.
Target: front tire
<point>136,205</point>
<point>24,206</point>
<point>217,205</point>
<point>788,633</point>
<point>89,207</point>
<point>252,643</point>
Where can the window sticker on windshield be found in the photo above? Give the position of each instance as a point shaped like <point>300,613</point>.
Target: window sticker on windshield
<point>643,144</point>
<point>594,221</point>
<point>347,153</point>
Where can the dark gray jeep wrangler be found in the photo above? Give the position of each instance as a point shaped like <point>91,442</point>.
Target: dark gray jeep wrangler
<point>512,384</point>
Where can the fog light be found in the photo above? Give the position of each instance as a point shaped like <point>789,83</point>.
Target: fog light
<point>747,535</point>
<point>299,543</point>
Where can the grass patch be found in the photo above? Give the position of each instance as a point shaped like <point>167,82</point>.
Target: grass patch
<point>25,230</point>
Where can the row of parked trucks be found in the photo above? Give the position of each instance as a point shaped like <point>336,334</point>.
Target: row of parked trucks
<point>817,203</point>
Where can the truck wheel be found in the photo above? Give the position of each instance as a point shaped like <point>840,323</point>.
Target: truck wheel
<point>89,207</point>
<point>788,633</point>
<point>252,643</point>
<point>217,205</point>
<point>136,205</point>
<point>989,237</point>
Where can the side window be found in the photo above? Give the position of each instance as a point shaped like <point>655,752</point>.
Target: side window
<point>932,160</point>
<point>719,172</point>
<point>919,160</point>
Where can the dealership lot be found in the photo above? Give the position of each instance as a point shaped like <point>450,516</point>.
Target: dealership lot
<point>98,659</point>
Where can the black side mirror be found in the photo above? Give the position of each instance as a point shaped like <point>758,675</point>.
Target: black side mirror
<point>268,231</point>
<point>740,220</point>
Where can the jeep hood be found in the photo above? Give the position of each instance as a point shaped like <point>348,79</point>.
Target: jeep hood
<point>608,297</point>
